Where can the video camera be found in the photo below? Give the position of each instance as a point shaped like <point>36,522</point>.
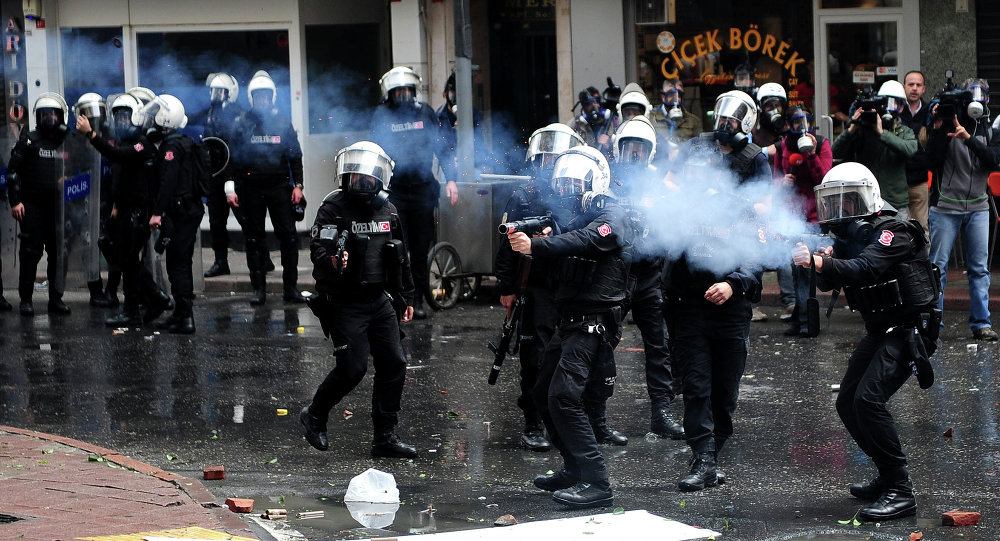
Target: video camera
<point>871,104</point>
<point>951,99</point>
<point>335,241</point>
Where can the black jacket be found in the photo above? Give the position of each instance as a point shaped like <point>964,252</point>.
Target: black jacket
<point>916,166</point>
<point>411,135</point>
<point>602,236</point>
<point>132,162</point>
<point>339,210</point>
<point>527,200</point>
<point>37,162</point>
<point>266,149</point>
<point>176,189</point>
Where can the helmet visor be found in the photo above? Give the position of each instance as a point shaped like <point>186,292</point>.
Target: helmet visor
<point>842,200</point>
<point>573,175</point>
<point>363,184</point>
<point>800,123</point>
<point>218,94</point>
<point>632,110</point>
<point>725,124</point>
<point>979,94</point>
<point>364,162</point>
<point>731,107</point>
<point>894,104</point>
<point>634,150</point>
<point>551,142</point>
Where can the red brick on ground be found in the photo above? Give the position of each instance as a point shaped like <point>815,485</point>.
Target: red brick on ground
<point>960,518</point>
<point>240,505</point>
<point>214,472</point>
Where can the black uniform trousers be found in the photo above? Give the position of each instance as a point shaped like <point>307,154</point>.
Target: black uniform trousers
<point>38,233</point>
<point>572,358</point>
<point>131,235</point>
<point>538,324</point>
<point>875,371</point>
<point>360,328</point>
<point>710,346</point>
<point>416,204</point>
<point>647,311</point>
<point>180,253</point>
<point>257,198</point>
<point>218,218</point>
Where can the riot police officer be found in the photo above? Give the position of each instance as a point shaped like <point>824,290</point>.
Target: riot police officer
<point>133,158</point>
<point>590,261</point>
<point>708,295</point>
<point>773,100</point>
<point>881,263</point>
<point>635,148</point>
<point>37,163</point>
<point>363,284</point>
<point>267,154</point>
<point>533,198</point>
<point>177,209</point>
<point>409,132</point>
<point>223,111</point>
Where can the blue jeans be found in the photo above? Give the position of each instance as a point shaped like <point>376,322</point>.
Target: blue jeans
<point>975,229</point>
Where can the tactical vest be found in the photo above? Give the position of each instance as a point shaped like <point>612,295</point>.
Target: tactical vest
<point>905,289</point>
<point>366,243</point>
<point>43,162</point>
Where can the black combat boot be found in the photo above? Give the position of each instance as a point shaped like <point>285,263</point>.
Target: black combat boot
<point>585,495</point>
<point>156,305</point>
<point>183,325</point>
<point>702,474</point>
<point>128,317</point>
<point>418,308</point>
<point>388,445</point>
<point>662,424</point>
<point>533,438</point>
<point>219,268</point>
<point>559,480</point>
<point>111,288</point>
<point>57,306</point>
<point>896,501</point>
<point>168,322</point>
<point>259,284</point>
<point>868,491</point>
<point>97,296</point>
<point>599,422</point>
<point>26,308</point>
<point>315,429</point>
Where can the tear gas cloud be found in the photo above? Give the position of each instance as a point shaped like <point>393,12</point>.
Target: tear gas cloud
<point>711,218</point>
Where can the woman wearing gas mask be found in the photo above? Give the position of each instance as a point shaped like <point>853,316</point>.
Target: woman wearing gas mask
<point>801,160</point>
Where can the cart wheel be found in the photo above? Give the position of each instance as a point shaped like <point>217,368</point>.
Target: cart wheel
<point>443,263</point>
<point>470,286</point>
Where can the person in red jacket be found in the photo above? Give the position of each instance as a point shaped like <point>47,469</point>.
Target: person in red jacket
<point>801,160</point>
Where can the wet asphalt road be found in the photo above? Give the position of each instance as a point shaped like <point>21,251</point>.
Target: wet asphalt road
<point>170,401</point>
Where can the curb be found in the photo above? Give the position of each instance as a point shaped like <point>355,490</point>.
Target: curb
<point>192,487</point>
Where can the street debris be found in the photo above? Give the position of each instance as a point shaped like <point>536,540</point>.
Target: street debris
<point>275,514</point>
<point>506,520</point>
<point>240,505</point>
<point>960,518</point>
<point>211,473</point>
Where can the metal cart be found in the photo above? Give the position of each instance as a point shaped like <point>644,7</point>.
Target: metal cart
<point>467,238</point>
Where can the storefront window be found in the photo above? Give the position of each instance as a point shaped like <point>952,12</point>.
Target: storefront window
<point>92,61</point>
<point>849,4</point>
<point>710,41</point>
<point>343,70</point>
<point>178,63</point>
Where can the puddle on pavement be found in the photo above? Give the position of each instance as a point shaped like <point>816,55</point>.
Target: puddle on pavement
<point>410,518</point>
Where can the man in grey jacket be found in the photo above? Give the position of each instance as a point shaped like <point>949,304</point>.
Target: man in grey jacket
<point>961,152</point>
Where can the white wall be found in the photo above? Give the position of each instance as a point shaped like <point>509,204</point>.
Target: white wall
<point>598,44</point>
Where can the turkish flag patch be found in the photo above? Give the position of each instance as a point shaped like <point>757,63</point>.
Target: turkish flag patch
<point>885,237</point>
<point>604,230</point>
<point>383,226</point>
<point>169,155</point>
<point>138,147</point>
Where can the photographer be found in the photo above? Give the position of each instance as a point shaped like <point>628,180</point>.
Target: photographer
<point>876,139</point>
<point>962,149</point>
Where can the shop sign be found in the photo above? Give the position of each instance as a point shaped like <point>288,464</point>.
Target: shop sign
<point>734,39</point>
<point>16,83</point>
<point>863,77</point>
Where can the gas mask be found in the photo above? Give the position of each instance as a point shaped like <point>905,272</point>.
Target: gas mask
<point>50,121</point>
<point>362,188</point>
<point>593,113</point>
<point>774,117</point>
<point>800,124</point>
<point>218,95</point>
<point>676,113</point>
<point>729,135</point>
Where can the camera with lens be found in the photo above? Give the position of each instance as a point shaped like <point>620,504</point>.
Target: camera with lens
<point>871,105</point>
<point>951,99</point>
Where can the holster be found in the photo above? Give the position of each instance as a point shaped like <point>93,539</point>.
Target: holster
<point>919,349</point>
<point>322,307</point>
